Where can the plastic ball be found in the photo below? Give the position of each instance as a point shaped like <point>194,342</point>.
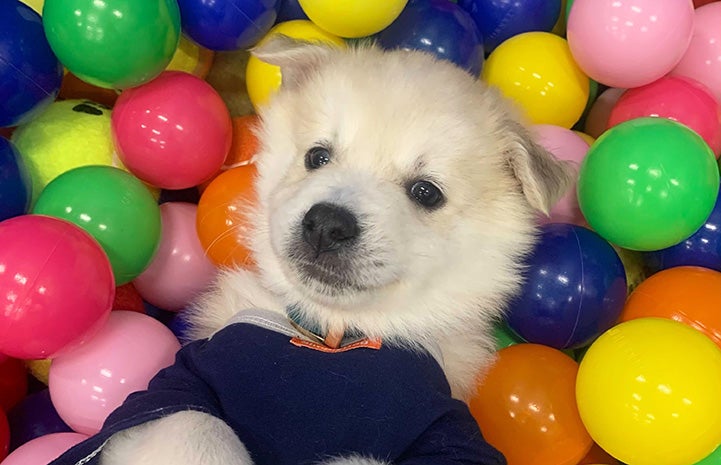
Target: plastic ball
<point>221,221</point>
<point>505,337</point>
<point>702,248</point>
<point>56,286</point>
<point>13,383</point>
<point>702,60</point>
<point>537,71</point>
<point>44,449</point>
<point>74,88</point>
<point>648,184</point>
<point>644,381</point>
<point>35,416</point>
<point>712,459</point>
<point>290,10</point>
<point>30,74</point>
<point>263,79</point>
<point>566,145</point>
<point>118,45</point>
<point>114,207</point>
<point>687,294</point>
<point>574,289</point>
<point>597,118</point>
<point>677,98</point>
<point>245,143</point>
<point>173,132</point>
<point>39,369</point>
<point>499,20</point>
<point>227,24</point>
<point>4,435</point>
<point>353,18</point>
<point>88,383</point>
<point>128,298</point>
<point>36,5</point>
<point>191,58</point>
<point>598,456</point>
<point>180,270</point>
<point>629,43</point>
<point>439,27</point>
<point>15,184</point>
<point>526,407</point>
<point>68,134</point>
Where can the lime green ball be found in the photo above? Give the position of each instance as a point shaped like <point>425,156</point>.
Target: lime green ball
<point>648,184</point>
<point>114,207</point>
<point>113,44</point>
<point>66,135</point>
<point>505,337</point>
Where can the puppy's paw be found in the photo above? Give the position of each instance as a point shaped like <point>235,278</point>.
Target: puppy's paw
<point>183,438</point>
<point>353,460</point>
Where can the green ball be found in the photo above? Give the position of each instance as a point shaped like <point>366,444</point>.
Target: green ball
<point>505,337</point>
<point>114,207</point>
<point>113,44</point>
<point>713,459</point>
<point>648,184</point>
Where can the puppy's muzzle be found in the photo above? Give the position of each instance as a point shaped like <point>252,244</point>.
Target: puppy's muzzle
<point>328,227</point>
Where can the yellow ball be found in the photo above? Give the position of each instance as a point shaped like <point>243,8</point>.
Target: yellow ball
<point>191,58</point>
<point>36,5</point>
<point>649,392</point>
<point>536,70</point>
<point>353,18</point>
<point>263,79</point>
<point>40,369</point>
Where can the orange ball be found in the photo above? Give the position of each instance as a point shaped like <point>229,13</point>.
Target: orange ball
<point>73,87</point>
<point>598,456</point>
<point>221,219</point>
<point>245,143</point>
<point>526,407</point>
<point>688,294</point>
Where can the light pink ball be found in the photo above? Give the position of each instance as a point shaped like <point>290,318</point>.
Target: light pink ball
<point>629,43</point>
<point>565,145</point>
<point>87,384</point>
<point>44,449</point>
<point>702,60</point>
<point>180,270</point>
<point>597,118</point>
<point>173,132</point>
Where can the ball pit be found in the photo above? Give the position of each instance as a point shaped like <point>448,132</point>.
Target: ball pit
<point>635,74</point>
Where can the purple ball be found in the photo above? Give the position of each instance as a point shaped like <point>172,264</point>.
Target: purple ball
<point>33,417</point>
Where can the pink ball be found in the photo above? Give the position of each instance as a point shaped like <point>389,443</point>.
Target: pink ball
<point>56,285</point>
<point>44,449</point>
<point>677,98</point>
<point>173,132</point>
<point>565,145</point>
<point>597,118</point>
<point>702,60</point>
<point>87,384</point>
<point>180,269</point>
<point>629,43</point>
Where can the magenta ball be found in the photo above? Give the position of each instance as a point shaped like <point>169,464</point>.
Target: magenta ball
<point>173,132</point>
<point>569,146</point>
<point>88,383</point>
<point>702,60</point>
<point>44,449</point>
<point>180,269</point>
<point>678,98</point>
<point>629,43</point>
<point>56,285</point>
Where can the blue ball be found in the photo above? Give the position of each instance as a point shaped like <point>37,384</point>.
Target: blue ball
<point>703,248</point>
<point>499,20</point>
<point>33,417</point>
<point>439,27</point>
<point>575,289</point>
<point>30,73</point>
<point>227,24</point>
<point>290,10</point>
<point>15,183</point>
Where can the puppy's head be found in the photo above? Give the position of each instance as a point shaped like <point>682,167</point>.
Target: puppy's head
<point>397,194</point>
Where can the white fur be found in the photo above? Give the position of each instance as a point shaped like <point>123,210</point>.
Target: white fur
<point>443,275</point>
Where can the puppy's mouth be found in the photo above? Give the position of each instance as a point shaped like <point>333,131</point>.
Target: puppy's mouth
<point>333,279</point>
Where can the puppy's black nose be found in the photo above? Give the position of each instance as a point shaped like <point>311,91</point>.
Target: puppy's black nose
<point>328,227</point>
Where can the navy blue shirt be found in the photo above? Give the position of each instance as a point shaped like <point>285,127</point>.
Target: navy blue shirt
<point>294,405</point>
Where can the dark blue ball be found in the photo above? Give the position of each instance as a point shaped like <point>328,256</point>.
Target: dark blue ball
<point>227,24</point>
<point>290,10</point>
<point>439,27</point>
<point>499,20</point>
<point>33,417</point>
<point>15,183</point>
<point>575,289</point>
<point>30,74</point>
<point>703,248</point>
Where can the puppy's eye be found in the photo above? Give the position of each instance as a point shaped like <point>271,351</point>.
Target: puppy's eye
<point>426,194</point>
<point>317,157</point>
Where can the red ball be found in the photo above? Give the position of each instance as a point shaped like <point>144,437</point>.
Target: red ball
<point>13,383</point>
<point>173,132</point>
<point>4,436</point>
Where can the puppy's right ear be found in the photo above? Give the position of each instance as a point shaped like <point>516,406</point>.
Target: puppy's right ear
<point>297,59</point>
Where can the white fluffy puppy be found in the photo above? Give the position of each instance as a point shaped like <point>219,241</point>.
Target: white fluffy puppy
<point>397,196</point>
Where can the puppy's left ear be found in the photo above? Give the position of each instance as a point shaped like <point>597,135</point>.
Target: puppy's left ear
<point>297,59</point>
<point>543,178</point>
